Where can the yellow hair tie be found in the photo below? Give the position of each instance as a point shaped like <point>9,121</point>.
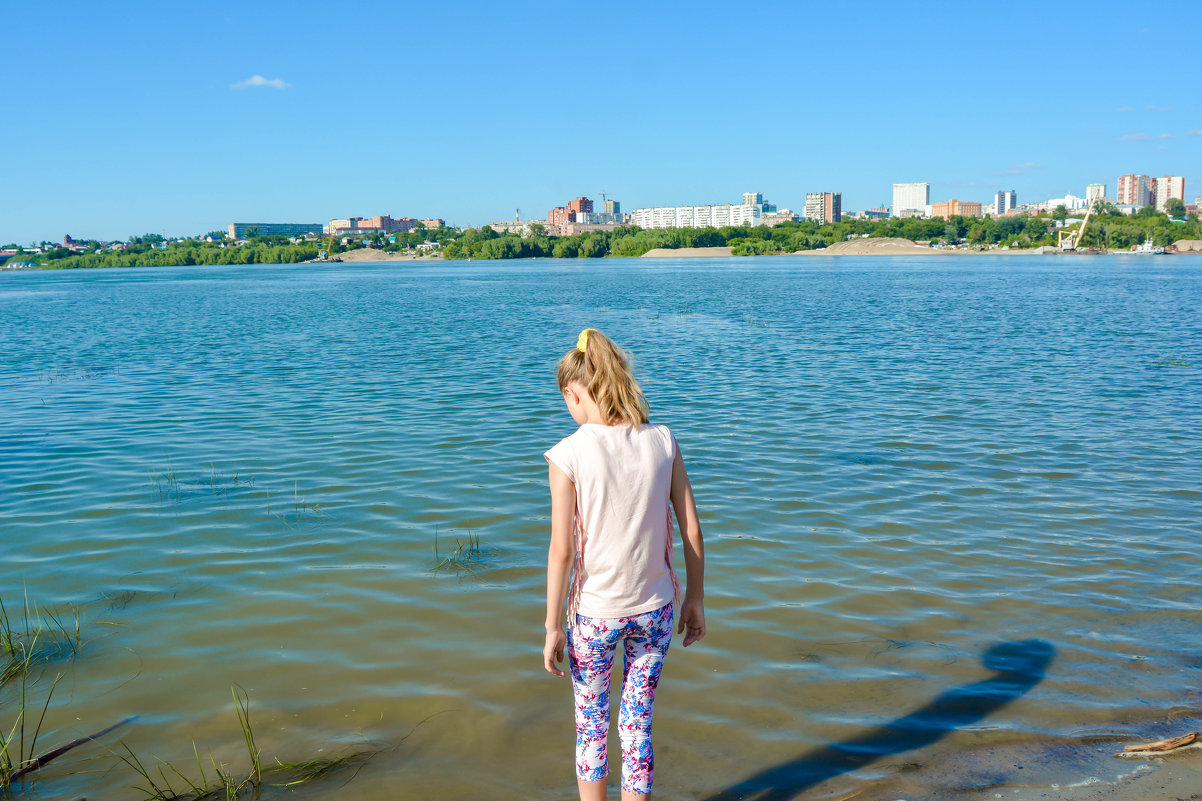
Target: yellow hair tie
<point>582,341</point>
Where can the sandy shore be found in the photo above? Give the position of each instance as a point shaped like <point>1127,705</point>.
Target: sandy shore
<point>681,253</point>
<point>371,254</point>
<point>892,246</point>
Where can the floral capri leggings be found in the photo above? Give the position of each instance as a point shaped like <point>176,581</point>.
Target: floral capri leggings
<point>591,646</point>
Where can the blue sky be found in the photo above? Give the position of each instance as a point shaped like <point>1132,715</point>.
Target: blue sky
<point>132,117</point>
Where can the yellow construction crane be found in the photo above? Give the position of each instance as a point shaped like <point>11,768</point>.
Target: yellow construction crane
<point>1073,236</point>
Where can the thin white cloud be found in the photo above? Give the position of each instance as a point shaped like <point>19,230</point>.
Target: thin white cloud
<point>1020,169</point>
<point>1134,137</point>
<point>1124,109</point>
<point>1194,132</point>
<point>1165,136</point>
<point>1157,108</point>
<point>256,81</point>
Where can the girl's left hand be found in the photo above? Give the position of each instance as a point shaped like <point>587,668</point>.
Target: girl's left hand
<point>692,621</point>
<point>553,651</point>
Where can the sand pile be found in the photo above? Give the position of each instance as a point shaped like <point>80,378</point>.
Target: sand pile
<point>882,246</point>
<point>681,253</point>
<point>1188,245</point>
<point>372,254</point>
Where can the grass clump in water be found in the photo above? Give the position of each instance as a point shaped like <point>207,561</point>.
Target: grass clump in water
<point>300,508</point>
<point>172,488</point>
<point>169,783</point>
<point>1172,361</point>
<point>166,782</point>
<point>465,557</point>
<point>39,637</point>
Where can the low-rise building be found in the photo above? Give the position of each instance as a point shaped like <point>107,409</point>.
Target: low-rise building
<point>774,218</point>
<point>381,223</point>
<point>242,230</point>
<point>956,208</point>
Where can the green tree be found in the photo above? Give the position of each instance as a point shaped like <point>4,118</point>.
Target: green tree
<point>1175,208</point>
<point>1060,213</point>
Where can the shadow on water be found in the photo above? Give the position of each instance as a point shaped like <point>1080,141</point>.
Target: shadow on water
<point>1019,666</point>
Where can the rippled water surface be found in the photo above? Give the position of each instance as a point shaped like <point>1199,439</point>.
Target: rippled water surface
<point>951,509</point>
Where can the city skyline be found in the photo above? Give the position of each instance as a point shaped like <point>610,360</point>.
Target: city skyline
<point>143,118</point>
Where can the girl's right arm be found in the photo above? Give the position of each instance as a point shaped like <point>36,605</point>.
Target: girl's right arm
<point>559,566</point>
<point>692,609</point>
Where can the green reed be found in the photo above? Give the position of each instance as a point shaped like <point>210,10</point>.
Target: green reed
<point>18,746</point>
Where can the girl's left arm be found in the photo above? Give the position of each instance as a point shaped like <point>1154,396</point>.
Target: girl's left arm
<point>559,566</point>
<point>692,611</point>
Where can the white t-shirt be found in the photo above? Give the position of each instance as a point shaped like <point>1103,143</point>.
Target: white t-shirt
<point>623,478</point>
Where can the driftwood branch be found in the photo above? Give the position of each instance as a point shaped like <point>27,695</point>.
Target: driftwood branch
<point>35,764</point>
<point>1162,745</point>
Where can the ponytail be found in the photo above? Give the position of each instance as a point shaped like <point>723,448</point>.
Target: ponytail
<point>599,365</point>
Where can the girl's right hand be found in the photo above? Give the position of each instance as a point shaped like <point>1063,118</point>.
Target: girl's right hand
<point>553,651</point>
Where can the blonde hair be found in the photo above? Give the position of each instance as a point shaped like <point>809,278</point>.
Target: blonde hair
<point>604,370</point>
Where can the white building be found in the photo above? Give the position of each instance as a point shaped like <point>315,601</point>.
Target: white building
<point>698,216</point>
<point>1095,192</point>
<point>910,197</point>
<point>1070,202</point>
<point>1167,187</point>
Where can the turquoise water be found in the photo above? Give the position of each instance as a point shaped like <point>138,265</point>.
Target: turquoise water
<point>236,475</point>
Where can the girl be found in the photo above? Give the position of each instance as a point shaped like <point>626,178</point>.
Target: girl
<point>611,530</point>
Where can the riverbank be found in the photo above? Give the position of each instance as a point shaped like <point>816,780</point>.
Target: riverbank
<point>894,246</point>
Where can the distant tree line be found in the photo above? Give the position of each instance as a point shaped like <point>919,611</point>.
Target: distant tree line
<point>1108,228</point>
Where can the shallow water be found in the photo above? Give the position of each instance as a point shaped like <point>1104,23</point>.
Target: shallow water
<point>237,475</point>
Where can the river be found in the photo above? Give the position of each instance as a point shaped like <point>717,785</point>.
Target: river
<point>951,509</point>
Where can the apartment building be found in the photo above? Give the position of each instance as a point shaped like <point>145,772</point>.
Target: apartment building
<point>824,207</point>
<point>1135,190</point>
<point>1169,186</point>
<point>698,216</point>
